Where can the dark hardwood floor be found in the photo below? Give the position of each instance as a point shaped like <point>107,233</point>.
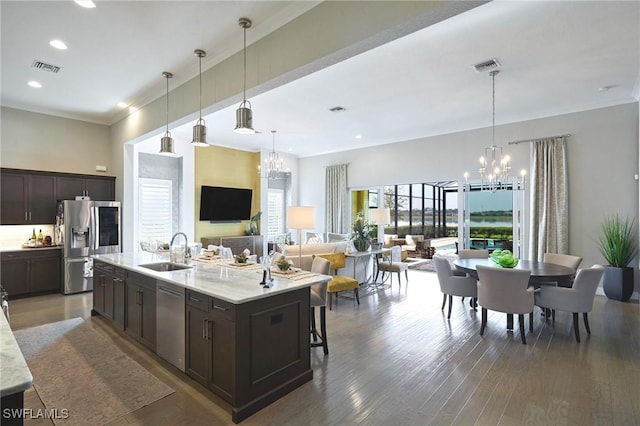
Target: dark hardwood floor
<point>397,360</point>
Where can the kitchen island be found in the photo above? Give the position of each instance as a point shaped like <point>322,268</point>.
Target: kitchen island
<point>15,377</point>
<point>247,344</point>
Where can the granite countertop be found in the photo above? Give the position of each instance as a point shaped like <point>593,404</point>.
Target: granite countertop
<point>14,373</point>
<point>218,279</point>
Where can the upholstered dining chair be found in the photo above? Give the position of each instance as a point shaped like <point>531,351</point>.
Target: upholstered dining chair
<point>394,264</point>
<point>576,299</point>
<point>318,298</point>
<point>470,254</point>
<point>505,290</point>
<point>567,260</point>
<point>452,285</point>
<point>339,282</point>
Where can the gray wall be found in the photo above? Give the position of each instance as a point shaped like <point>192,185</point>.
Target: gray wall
<point>602,152</point>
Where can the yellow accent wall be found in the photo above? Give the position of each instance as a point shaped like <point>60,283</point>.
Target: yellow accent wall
<point>232,168</point>
<point>360,203</point>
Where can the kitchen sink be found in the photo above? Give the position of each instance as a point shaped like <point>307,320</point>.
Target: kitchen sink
<point>165,266</point>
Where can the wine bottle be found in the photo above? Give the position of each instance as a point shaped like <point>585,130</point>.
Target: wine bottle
<point>40,236</point>
<point>33,234</point>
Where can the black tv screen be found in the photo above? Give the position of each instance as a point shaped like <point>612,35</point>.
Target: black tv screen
<point>218,204</point>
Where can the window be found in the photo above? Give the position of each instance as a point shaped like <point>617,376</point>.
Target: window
<point>155,210</point>
<point>428,209</point>
<point>275,213</point>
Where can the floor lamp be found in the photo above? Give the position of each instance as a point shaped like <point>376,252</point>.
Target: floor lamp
<point>301,217</point>
<point>380,217</point>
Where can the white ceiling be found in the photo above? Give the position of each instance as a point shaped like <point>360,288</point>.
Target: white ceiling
<point>557,57</point>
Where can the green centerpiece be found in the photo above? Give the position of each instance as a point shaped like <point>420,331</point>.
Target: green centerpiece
<point>504,258</point>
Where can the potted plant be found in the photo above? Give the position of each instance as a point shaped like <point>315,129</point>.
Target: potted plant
<point>362,233</point>
<point>618,245</point>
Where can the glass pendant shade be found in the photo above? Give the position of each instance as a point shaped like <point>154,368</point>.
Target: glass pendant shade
<point>199,129</point>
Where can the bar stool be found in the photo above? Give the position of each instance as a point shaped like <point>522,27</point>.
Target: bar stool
<point>318,298</point>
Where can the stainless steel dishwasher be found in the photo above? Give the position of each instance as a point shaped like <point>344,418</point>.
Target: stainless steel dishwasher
<point>170,340</point>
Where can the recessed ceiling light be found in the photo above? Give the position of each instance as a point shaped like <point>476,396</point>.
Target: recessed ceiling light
<point>122,105</point>
<point>58,44</point>
<point>358,136</point>
<point>85,3</point>
<point>132,109</point>
<point>35,84</point>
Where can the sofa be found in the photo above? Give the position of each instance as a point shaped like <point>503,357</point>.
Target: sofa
<point>308,250</point>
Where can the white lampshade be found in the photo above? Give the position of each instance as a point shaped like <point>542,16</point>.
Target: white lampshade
<point>380,216</point>
<point>301,217</point>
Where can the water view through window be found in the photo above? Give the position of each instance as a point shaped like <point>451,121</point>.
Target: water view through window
<point>431,209</point>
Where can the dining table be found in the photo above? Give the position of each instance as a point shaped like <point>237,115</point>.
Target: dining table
<point>541,273</point>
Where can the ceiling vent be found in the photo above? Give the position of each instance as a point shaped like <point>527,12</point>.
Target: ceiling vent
<point>43,66</point>
<point>489,65</point>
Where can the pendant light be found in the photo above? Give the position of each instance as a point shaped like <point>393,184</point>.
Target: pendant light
<point>494,167</point>
<point>200,130</point>
<point>244,115</point>
<point>166,143</point>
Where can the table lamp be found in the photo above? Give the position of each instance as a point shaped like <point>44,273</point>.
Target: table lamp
<point>380,217</point>
<point>301,217</point>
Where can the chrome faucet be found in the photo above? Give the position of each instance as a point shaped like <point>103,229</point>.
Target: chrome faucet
<point>186,244</point>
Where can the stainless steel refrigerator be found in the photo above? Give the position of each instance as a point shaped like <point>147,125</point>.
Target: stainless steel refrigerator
<point>86,228</point>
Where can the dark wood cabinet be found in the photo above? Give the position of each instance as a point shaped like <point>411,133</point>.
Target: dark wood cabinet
<point>30,272</point>
<point>108,291</point>
<point>30,197</point>
<point>140,311</point>
<point>245,352</point>
<point>210,341</point>
<point>119,298</point>
<point>27,198</point>
<point>97,188</point>
<point>14,274</point>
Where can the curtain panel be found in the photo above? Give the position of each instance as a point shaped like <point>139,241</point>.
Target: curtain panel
<point>549,218</point>
<point>336,199</point>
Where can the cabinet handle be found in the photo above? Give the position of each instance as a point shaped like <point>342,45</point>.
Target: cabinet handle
<point>141,298</point>
<point>220,308</point>
<point>29,215</point>
<point>204,329</point>
<point>195,299</point>
<point>26,216</point>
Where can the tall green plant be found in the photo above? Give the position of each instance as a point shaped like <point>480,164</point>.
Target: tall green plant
<point>617,242</point>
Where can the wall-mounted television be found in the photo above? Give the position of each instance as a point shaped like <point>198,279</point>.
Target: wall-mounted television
<point>218,204</point>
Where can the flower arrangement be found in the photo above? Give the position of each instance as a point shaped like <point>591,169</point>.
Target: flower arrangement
<point>362,232</point>
<point>283,264</point>
<point>241,258</point>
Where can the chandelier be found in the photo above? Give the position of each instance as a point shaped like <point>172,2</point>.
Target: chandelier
<point>494,167</point>
<point>273,164</point>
